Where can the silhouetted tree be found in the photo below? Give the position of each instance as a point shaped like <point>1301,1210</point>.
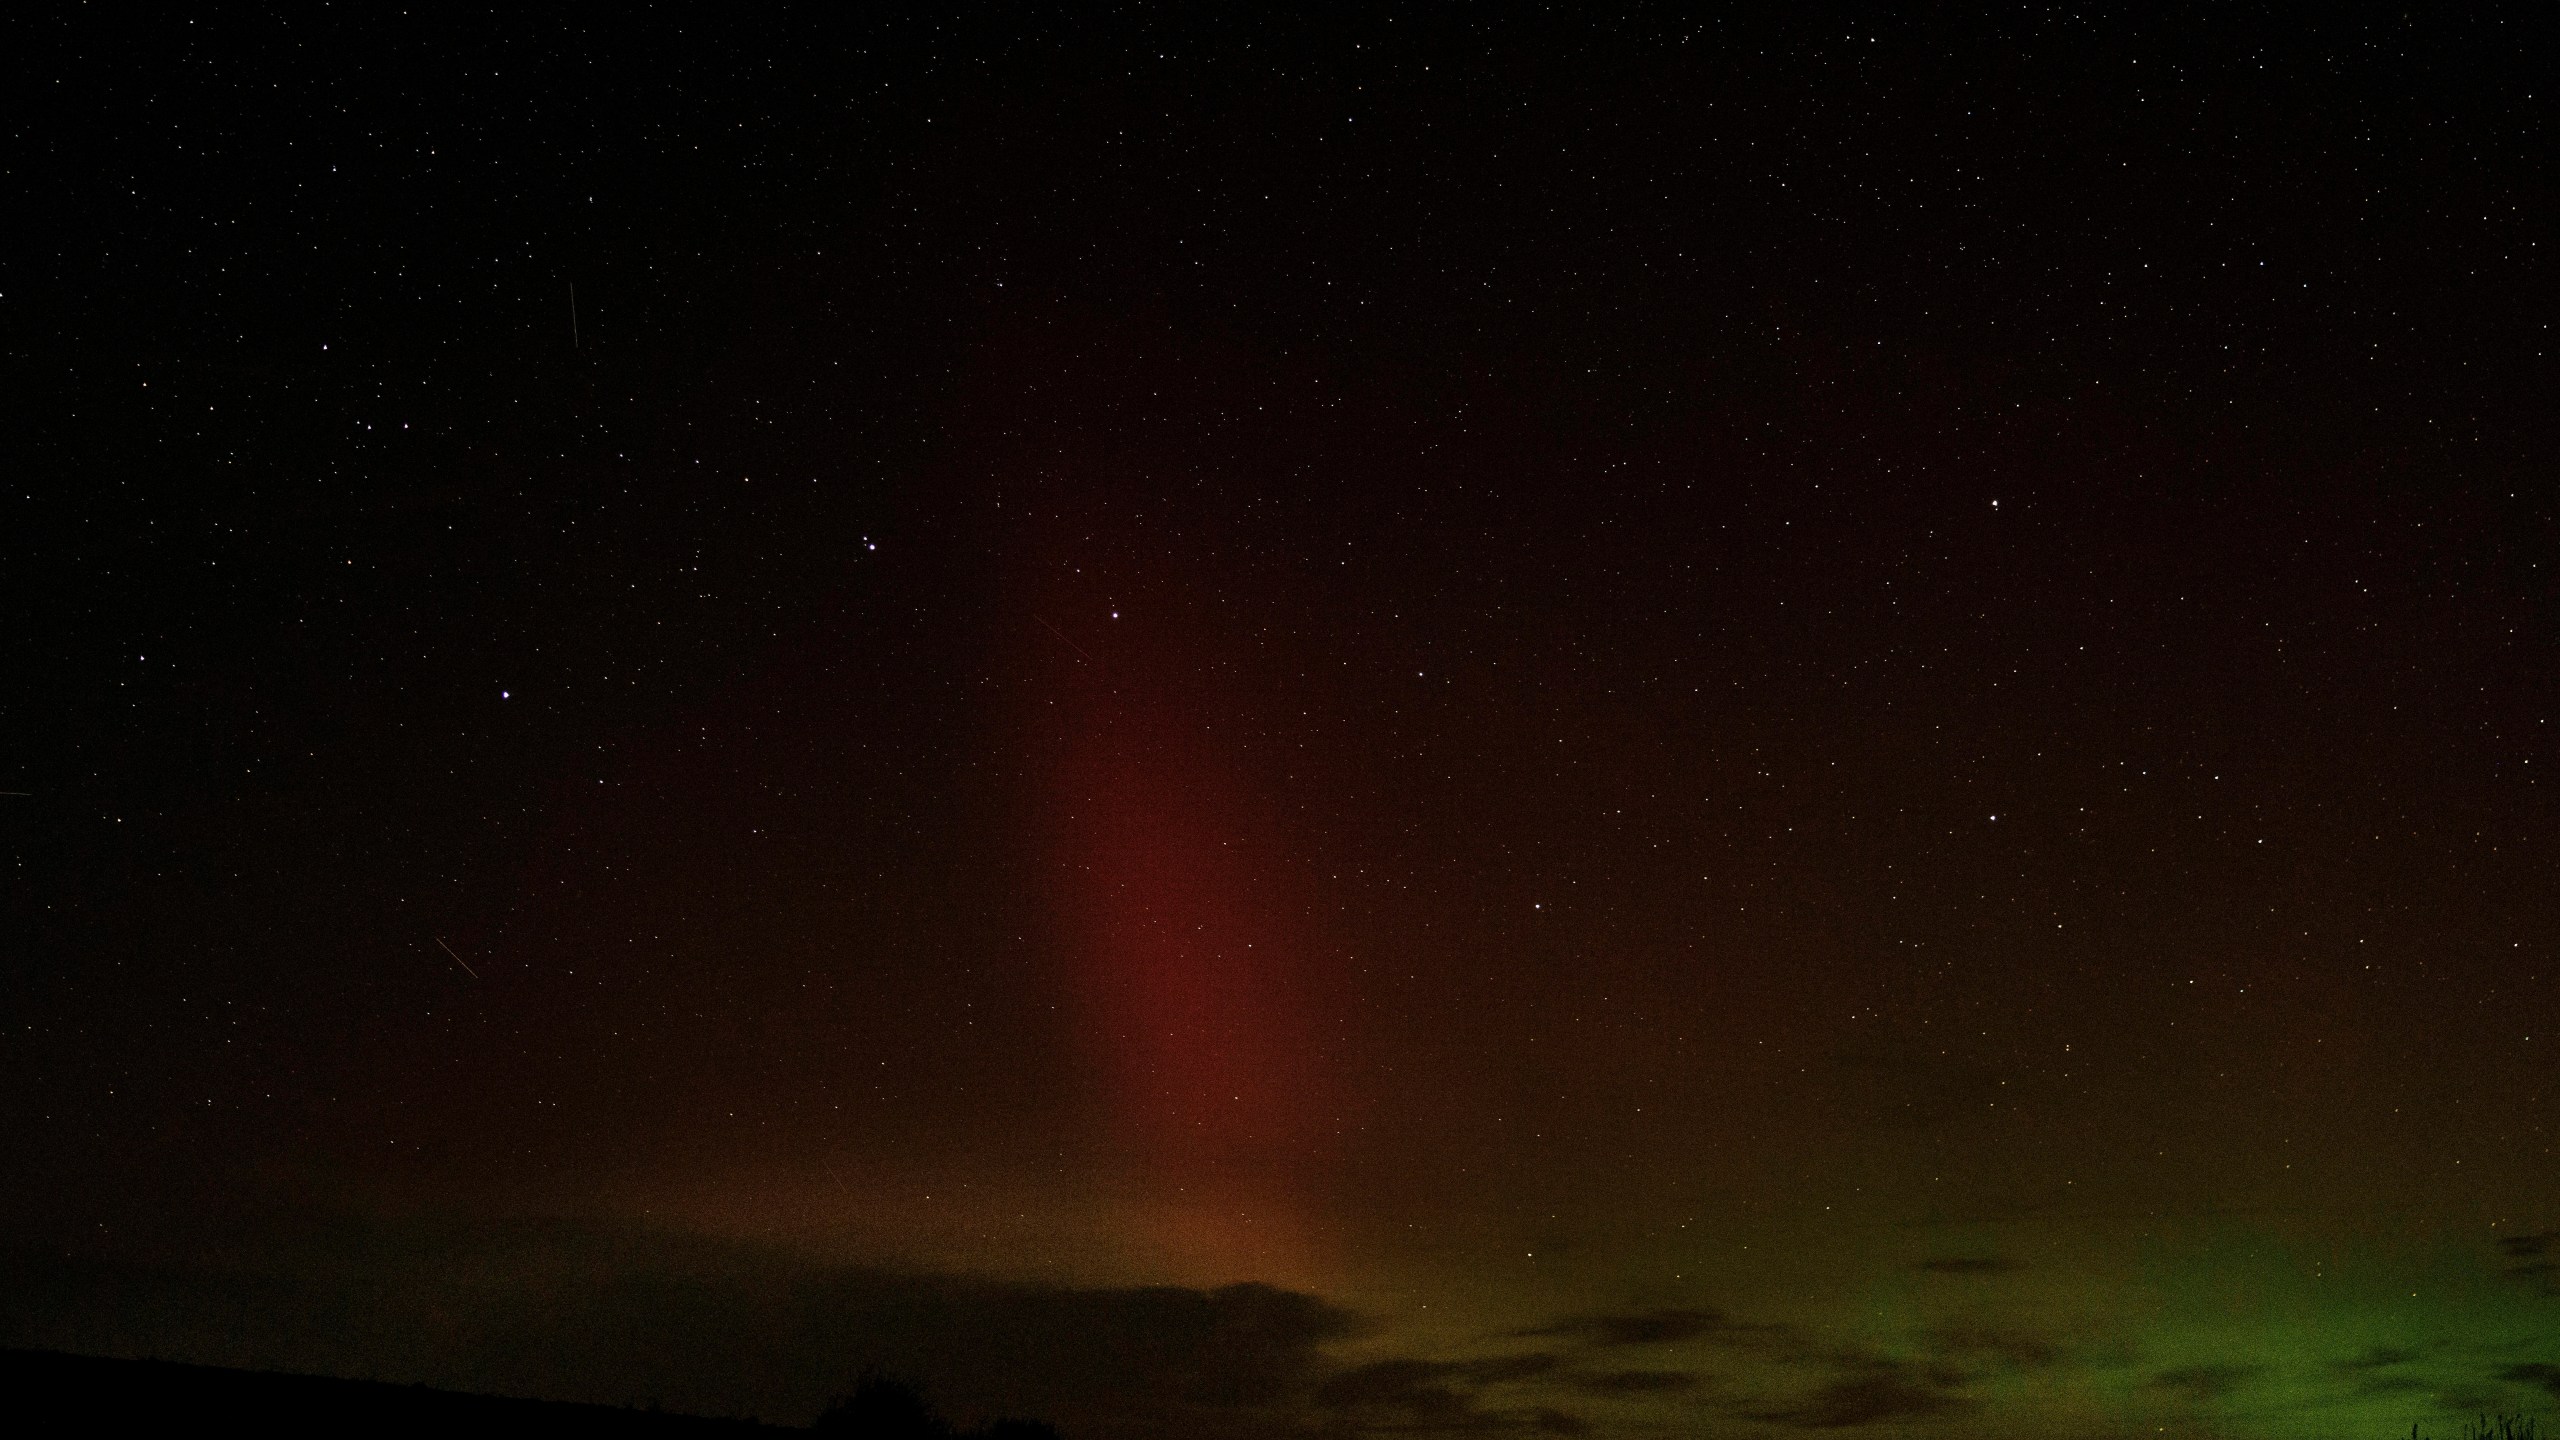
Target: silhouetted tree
<point>883,1408</point>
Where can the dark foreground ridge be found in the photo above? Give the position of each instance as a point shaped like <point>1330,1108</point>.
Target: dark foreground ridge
<point>51,1394</point>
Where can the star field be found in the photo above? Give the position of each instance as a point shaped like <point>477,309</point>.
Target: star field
<point>1230,724</point>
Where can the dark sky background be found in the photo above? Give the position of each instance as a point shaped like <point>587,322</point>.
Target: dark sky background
<point>1220,726</point>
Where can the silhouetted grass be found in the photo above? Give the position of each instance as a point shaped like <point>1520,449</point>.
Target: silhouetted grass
<point>2493,1427</point>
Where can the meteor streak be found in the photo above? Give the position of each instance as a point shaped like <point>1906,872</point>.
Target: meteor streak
<point>1061,634</point>
<point>458,960</point>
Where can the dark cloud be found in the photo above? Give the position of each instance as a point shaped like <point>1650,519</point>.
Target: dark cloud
<point>1976,1344</point>
<point>620,1316</point>
<point>2542,1273</point>
<point>2464,1400</point>
<point>2539,1259</point>
<point>2380,1384</point>
<point>1381,1381</point>
<point>1633,1382</point>
<point>2543,1376</point>
<point>2380,1357</point>
<point>1968,1265</point>
<point>1409,1394</point>
<point>1417,1391</point>
<point>2370,1370</point>
<point>1650,1327</point>
<point>1888,1394</point>
<point>1509,1367</point>
<point>2203,1382</point>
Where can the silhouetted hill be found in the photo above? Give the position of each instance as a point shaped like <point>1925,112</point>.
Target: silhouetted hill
<point>43,1393</point>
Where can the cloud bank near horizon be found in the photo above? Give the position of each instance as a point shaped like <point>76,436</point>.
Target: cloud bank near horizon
<point>620,1315</point>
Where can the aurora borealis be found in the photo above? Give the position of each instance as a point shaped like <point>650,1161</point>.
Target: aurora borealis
<point>1221,726</point>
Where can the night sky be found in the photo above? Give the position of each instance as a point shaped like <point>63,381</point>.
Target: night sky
<point>1220,726</point>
